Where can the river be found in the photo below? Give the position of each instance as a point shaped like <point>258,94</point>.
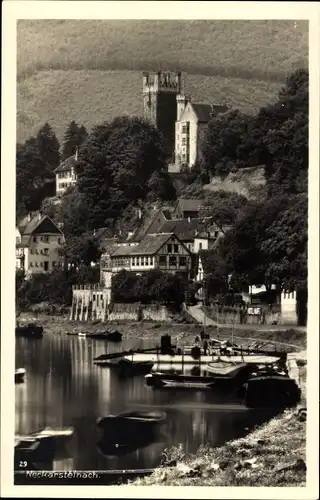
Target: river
<point>63,387</point>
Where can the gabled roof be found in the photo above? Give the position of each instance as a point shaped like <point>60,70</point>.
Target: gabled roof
<point>37,224</point>
<point>187,230</point>
<point>67,164</point>
<point>189,205</point>
<point>148,246</point>
<point>205,112</point>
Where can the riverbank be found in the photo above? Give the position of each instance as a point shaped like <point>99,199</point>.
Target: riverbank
<point>272,455</point>
<point>185,333</point>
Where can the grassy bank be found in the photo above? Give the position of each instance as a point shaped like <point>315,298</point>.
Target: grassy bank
<point>185,333</point>
<point>272,455</point>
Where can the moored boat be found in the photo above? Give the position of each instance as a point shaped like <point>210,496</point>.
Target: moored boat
<point>126,368</point>
<point>187,359</point>
<point>32,450</point>
<point>173,381</point>
<point>19,375</point>
<point>30,330</point>
<point>276,391</point>
<point>225,368</point>
<point>58,434</point>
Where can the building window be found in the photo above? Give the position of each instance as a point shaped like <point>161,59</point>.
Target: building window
<point>183,261</point>
<point>185,128</point>
<point>147,261</point>
<point>31,264</point>
<point>46,251</point>
<point>133,261</point>
<point>138,261</point>
<point>59,241</point>
<point>151,261</point>
<point>46,239</point>
<point>200,246</point>
<point>169,248</point>
<point>172,260</point>
<point>142,261</point>
<point>31,251</point>
<point>162,260</point>
<point>35,239</point>
<point>53,263</point>
<point>176,248</point>
<point>46,265</point>
<point>37,265</point>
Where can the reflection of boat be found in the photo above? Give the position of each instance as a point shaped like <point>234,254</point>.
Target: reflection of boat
<point>175,381</point>
<point>108,446</point>
<point>271,391</point>
<point>19,375</point>
<point>30,330</point>
<point>129,425</point>
<point>225,368</point>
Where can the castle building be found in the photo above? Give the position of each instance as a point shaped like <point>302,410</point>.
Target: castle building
<point>160,91</point>
<point>190,128</point>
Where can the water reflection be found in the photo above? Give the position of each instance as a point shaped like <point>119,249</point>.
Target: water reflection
<point>63,387</point>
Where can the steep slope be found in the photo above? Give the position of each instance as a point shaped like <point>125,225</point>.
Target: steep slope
<point>90,71</point>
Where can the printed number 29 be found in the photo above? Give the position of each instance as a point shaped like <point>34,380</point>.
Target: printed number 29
<point>23,464</point>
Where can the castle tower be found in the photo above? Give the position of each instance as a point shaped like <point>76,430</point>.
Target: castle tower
<point>160,90</point>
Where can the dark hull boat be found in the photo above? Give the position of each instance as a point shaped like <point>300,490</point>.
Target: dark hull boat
<point>111,335</point>
<point>271,391</point>
<point>127,368</point>
<point>31,330</point>
<point>130,425</point>
<point>31,450</point>
<point>19,375</point>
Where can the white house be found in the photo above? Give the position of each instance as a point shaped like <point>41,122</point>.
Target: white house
<point>39,243</point>
<point>66,174</point>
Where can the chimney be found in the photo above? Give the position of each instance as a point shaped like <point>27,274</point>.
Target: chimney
<point>76,154</point>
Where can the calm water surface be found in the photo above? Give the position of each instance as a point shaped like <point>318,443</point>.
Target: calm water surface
<point>63,387</point>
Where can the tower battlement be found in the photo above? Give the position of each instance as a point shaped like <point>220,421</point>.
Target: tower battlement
<point>157,81</point>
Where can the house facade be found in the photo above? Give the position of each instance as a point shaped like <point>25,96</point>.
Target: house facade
<point>66,175</point>
<point>156,251</point>
<point>191,127</point>
<point>39,244</point>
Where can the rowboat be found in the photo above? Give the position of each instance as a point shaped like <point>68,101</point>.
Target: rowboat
<point>19,375</point>
<point>225,368</point>
<point>30,330</point>
<point>130,425</point>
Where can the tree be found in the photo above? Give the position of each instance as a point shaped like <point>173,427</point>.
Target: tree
<point>222,147</point>
<point>223,206</point>
<point>285,244</point>
<point>160,187</point>
<point>116,164</point>
<point>82,250</point>
<point>74,137</point>
<point>48,146</point>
